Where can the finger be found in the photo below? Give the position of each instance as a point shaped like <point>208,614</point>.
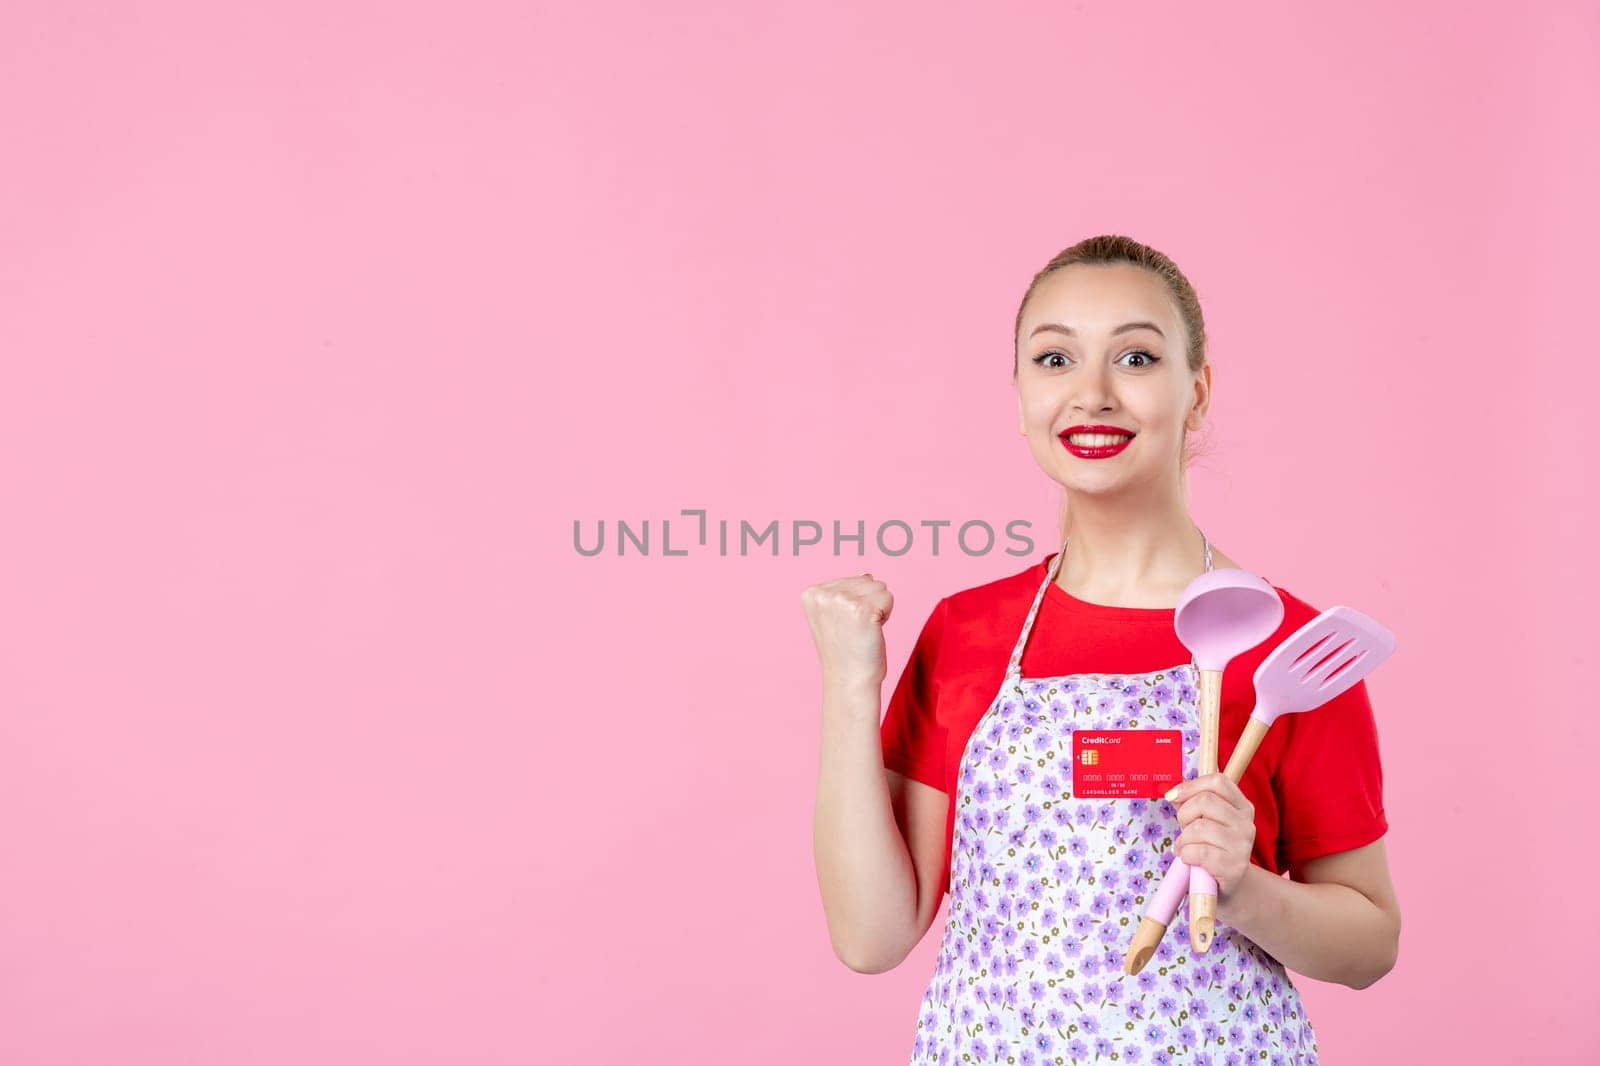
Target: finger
<point>1210,806</point>
<point>1208,857</point>
<point>1219,785</point>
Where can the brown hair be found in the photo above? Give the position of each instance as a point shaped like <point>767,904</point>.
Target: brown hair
<point>1110,248</point>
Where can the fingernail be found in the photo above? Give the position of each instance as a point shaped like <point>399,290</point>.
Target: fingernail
<point>1172,793</point>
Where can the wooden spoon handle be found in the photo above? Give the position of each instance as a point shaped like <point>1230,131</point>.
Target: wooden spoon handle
<point>1202,886</point>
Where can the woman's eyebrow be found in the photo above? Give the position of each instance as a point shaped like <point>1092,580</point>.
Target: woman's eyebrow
<point>1126,327</point>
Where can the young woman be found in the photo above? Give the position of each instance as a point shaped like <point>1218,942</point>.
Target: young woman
<point>966,788</point>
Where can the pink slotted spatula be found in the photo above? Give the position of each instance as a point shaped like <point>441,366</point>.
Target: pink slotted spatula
<point>1315,663</point>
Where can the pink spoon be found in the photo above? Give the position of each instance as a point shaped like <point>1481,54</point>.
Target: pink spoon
<point>1315,663</point>
<point>1222,614</point>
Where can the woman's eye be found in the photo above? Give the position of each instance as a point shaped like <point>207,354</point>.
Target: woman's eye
<point>1152,360</point>
<point>1052,354</point>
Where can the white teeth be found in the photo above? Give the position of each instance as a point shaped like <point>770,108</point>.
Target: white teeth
<point>1097,440</point>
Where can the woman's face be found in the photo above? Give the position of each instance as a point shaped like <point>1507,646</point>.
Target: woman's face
<point>1080,363</point>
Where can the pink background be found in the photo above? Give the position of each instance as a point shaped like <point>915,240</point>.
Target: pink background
<point>323,323</point>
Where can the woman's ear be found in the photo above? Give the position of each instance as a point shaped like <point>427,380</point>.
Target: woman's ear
<point>1202,403</point>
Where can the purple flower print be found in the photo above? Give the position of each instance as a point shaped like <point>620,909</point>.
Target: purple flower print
<point>1002,790</point>
<point>1024,773</point>
<point>1167,1005</point>
<point>1174,718</point>
<point>1132,1053</point>
<point>1032,813</point>
<point>1161,1057</point>
<point>1114,992</point>
<point>1047,837</point>
<point>1080,704</point>
<point>1161,693</point>
<point>1077,847</point>
<point>1154,1033</point>
<point>1147,981</point>
<point>1251,1013</point>
<point>1186,1036</point>
<point>1079,1050</point>
<point>1049,785</point>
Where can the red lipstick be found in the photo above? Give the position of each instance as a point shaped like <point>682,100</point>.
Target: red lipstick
<point>1096,452</point>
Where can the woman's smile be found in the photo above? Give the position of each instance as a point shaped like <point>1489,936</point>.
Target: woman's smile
<point>1096,442</point>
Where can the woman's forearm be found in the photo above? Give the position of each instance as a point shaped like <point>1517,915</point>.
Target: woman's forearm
<point>864,867</point>
<point>1324,930</point>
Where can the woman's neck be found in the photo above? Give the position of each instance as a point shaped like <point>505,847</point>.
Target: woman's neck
<point>1130,554</point>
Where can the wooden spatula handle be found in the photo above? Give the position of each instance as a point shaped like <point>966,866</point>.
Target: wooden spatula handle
<point>1254,730</point>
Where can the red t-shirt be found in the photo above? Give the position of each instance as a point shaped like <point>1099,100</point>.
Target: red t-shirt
<point>1316,781</point>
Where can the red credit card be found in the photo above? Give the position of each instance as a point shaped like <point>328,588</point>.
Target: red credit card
<point>1126,763</point>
